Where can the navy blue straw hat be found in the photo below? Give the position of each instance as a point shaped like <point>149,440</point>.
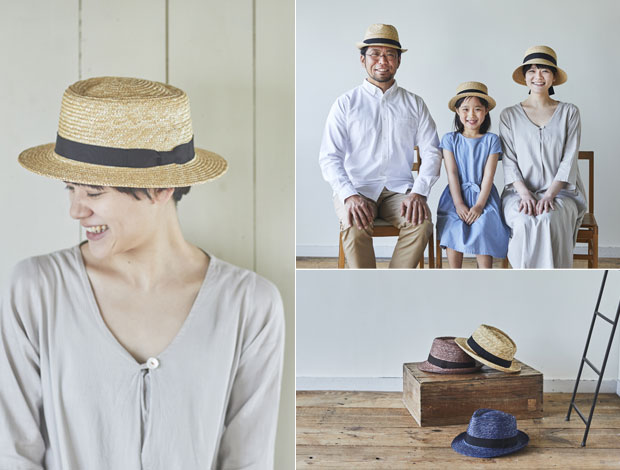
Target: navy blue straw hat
<point>491,433</point>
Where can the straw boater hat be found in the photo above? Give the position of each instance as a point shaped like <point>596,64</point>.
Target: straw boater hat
<point>447,358</point>
<point>379,34</point>
<point>540,55</point>
<point>471,89</point>
<point>490,433</point>
<point>492,347</point>
<point>124,132</point>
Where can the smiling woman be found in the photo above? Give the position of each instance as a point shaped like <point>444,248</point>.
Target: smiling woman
<point>135,349</point>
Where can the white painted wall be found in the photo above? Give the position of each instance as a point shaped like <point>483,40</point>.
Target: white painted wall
<point>366,324</point>
<point>451,42</point>
<point>234,59</point>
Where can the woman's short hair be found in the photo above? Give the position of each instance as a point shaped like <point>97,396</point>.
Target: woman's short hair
<point>553,70</point>
<point>137,193</point>
<point>486,124</point>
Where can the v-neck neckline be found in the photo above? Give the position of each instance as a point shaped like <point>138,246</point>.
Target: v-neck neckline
<point>555,111</point>
<point>90,293</point>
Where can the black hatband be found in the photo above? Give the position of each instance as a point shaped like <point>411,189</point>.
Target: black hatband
<point>483,353</point>
<point>382,41</point>
<point>492,443</point>
<point>472,90</point>
<point>450,365</point>
<point>540,55</point>
<point>126,158</point>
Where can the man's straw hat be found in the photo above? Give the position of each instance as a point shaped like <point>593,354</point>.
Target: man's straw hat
<point>379,34</point>
<point>540,55</point>
<point>124,132</point>
<point>492,347</point>
<point>471,89</point>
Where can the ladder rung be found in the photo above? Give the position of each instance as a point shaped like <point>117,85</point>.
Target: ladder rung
<point>605,318</point>
<point>592,365</point>
<point>579,413</point>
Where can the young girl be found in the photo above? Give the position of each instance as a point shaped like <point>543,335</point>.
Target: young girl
<point>469,216</point>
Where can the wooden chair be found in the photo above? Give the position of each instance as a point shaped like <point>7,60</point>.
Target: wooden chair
<point>383,228</point>
<point>588,230</point>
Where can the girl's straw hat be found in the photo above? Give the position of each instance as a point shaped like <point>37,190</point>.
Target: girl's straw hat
<point>471,89</point>
<point>124,132</point>
<point>492,347</point>
<point>447,358</point>
<point>540,55</point>
<point>381,35</point>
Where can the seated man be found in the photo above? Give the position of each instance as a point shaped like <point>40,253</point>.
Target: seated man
<point>367,154</point>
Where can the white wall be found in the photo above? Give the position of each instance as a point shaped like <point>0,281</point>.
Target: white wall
<point>234,59</point>
<point>450,42</point>
<point>366,324</point>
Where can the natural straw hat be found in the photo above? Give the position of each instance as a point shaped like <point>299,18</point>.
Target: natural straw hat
<point>540,55</point>
<point>447,358</point>
<point>492,347</point>
<point>379,34</point>
<point>471,89</point>
<point>124,132</point>
<point>490,433</point>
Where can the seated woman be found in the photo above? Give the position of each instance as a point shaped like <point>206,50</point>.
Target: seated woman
<point>543,200</point>
<point>135,349</point>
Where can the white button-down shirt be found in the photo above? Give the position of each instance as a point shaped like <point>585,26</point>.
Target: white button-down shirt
<point>369,139</point>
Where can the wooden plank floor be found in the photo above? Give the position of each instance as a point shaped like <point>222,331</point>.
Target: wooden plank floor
<point>468,263</point>
<point>373,430</point>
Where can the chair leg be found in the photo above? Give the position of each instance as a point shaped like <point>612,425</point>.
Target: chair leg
<point>431,252</point>
<point>505,263</point>
<point>340,254</point>
<point>439,254</point>
<point>595,249</point>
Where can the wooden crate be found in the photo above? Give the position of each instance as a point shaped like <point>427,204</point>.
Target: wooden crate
<point>441,399</point>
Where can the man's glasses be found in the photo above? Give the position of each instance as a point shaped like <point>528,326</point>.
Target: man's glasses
<point>374,55</point>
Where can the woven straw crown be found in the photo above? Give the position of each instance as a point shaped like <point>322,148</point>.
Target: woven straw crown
<point>380,34</point>
<point>444,349</point>
<point>497,346</point>
<point>124,116</point>
<point>471,89</point>
<point>540,55</point>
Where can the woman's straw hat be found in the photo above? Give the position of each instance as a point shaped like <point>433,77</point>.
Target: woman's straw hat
<point>124,132</point>
<point>447,358</point>
<point>471,89</point>
<point>379,34</point>
<point>540,55</point>
<point>492,347</point>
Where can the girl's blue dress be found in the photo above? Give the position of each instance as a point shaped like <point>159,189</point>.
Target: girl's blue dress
<point>489,234</point>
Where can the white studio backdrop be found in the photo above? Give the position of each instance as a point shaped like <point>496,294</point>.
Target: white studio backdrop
<point>223,55</point>
<point>361,326</point>
<point>450,42</point>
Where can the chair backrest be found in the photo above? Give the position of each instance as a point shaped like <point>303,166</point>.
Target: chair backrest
<point>589,156</point>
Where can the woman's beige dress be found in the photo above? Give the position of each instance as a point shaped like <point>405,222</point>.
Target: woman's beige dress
<point>538,156</point>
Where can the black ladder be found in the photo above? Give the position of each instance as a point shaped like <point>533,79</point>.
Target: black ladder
<point>585,360</point>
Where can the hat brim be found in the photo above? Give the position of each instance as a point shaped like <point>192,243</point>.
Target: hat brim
<point>462,447</point>
<point>361,45</point>
<point>462,343</point>
<point>560,76</point>
<point>428,367</point>
<point>205,166</point>
<point>454,99</point>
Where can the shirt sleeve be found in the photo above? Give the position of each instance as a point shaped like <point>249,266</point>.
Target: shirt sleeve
<point>512,172</point>
<point>430,155</point>
<point>567,171</point>
<point>333,151</point>
<point>22,446</point>
<point>248,438</point>
<point>496,146</point>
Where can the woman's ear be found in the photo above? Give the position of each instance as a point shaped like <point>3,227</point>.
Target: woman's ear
<point>162,196</point>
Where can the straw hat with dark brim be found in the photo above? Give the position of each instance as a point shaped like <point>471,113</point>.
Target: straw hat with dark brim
<point>126,132</point>
<point>540,55</point>
<point>379,34</point>
<point>471,89</point>
<point>447,358</point>
<point>492,347</point>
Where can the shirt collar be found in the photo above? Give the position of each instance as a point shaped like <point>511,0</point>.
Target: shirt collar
<point>376,91</point>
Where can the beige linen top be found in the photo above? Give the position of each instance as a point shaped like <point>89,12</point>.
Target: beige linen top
<point>72,398</point>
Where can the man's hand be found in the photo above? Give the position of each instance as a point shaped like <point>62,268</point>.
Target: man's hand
<point>359,211</point>
<point>414,209</point>
<point>474,213</point>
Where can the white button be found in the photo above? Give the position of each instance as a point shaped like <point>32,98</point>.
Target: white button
<point>152,363</point>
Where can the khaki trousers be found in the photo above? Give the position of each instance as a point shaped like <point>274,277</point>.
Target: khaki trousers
<point>357,243</point>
